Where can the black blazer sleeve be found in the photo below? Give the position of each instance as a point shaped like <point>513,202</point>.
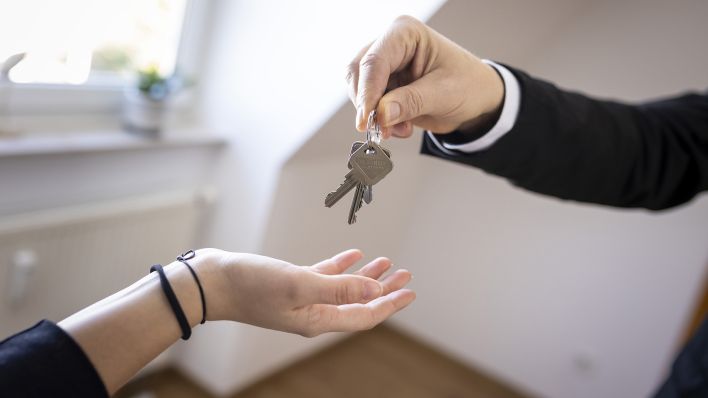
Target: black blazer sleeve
<point>44,361</point>
<point>652,155</point>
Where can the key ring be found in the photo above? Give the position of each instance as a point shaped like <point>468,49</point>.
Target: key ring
<point>373,130</point>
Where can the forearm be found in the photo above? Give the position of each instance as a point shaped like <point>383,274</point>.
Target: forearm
<point>574,147</point>
<point>125,331</point>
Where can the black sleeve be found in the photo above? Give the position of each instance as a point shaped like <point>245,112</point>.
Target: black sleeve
<point>44,361</point>
<point>652,155</point>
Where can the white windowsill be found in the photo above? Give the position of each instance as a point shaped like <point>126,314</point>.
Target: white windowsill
<point>102,141</point>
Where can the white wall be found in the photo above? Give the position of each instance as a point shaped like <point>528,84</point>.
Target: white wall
<point>630,49</point>
<point>558,298</point>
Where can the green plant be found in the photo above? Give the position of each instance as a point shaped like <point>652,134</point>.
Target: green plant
<point>156,86</point>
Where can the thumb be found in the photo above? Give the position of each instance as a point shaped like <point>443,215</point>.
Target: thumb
<point>408,102</point>
<point>345,289</point>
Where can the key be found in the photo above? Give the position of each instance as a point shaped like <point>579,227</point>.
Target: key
<point>350,182</point>
<point>370,164</point>
<point>368,194</point>
<point>368,190</point>
<point>356,203</point>
<point>357,144</point>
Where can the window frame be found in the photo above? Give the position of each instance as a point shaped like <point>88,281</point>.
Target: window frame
<point>103,95</point>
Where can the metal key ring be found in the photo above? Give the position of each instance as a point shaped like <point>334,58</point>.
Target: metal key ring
<point>373,130</point>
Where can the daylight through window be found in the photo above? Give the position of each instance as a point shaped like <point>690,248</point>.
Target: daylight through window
<point>75,41</point>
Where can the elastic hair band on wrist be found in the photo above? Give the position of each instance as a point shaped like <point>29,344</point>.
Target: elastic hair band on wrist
<point>183,259</point>
<point>174,303</point>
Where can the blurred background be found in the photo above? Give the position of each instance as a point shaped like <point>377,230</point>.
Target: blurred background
<point>132,130</point>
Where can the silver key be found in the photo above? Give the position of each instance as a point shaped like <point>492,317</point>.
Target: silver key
<point>357,144</point>
<point>370,164</point>
<point>356,203</point>
<point>350,182</point>
<point>368,194</point>
<point>369,189</point>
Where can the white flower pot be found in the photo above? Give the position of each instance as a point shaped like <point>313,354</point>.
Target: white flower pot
<point>142,114</point>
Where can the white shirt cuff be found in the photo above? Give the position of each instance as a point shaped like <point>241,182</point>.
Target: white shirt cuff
<point>507,118</point>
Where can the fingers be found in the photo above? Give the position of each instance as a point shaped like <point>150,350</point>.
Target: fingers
<point>396,281</point>
<point>339,263</point>
<point>408,102</point>
<point>400,130</point>
<point>374,70</point>
<point>352,76</point>
<point>329,287</point>
<point>341,289</point>
<point>375,269</point>
<point>386,55</point>
<point>354,317</point>
<point>322,318</point>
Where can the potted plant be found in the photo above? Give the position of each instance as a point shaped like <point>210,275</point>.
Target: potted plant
<point>147,104</point>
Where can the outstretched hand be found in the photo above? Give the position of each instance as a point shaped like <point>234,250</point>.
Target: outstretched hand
<point>309,301</point>
<point>258,290</point>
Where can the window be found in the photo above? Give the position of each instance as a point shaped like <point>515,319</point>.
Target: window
<point>80,54</point>
<point>77,41</point>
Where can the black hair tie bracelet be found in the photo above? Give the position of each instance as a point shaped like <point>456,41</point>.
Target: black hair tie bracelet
<point>183,259</point>
<point>174,303</point>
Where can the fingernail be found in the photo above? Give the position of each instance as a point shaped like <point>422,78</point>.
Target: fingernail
<point>372,289</point>
<point>393,111</point>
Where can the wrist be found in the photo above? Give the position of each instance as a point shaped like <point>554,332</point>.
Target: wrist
<point>191,286</point>
<point>479,126</point>
<point>483,116</point>
<point>495,88</point>
<point>186,290</point>
<point>210,267</point>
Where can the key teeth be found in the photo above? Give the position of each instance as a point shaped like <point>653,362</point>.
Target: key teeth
<point>328,199</point>
<point>345,187</point>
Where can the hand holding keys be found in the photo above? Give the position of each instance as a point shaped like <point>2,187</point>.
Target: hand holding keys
<point>369,163</point>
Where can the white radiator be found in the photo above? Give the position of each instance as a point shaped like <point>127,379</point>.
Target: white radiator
<point>54,262</point>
